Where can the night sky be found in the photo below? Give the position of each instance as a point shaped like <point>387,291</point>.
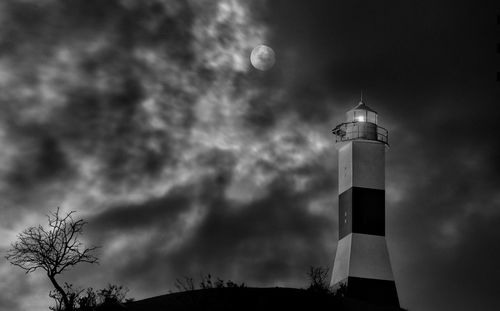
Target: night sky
<point>147,118</point>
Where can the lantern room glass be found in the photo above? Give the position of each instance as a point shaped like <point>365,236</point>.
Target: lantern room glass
<point>362,115</point>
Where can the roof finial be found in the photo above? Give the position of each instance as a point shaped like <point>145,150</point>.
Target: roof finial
<point>361,97</point>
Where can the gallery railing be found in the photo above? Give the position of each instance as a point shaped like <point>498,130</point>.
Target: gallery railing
<point>360,130</point>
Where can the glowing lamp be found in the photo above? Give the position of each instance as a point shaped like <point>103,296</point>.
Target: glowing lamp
<point>362,113</point>
<point>359,118</point>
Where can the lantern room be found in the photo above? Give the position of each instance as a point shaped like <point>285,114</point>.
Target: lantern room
<point>361,123</point>
<point>362,113</point>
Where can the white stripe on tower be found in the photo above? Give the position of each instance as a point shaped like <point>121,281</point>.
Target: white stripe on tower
<point>364,256</point>
<point>362,164</point>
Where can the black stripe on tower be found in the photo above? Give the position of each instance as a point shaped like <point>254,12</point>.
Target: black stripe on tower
<point>362,210</point>
<point>380,292</point>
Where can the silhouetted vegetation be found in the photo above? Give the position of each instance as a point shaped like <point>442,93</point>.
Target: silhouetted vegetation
<point>90,299</point>
<point>318,280</point>
<point>340,291</point>
<point>206,282</point>
<point>184,284</point>
<point>54,249</point>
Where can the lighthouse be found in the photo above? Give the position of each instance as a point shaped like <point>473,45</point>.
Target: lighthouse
<point>362,262</point>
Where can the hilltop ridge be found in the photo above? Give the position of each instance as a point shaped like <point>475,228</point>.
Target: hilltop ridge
<point>250,298</point>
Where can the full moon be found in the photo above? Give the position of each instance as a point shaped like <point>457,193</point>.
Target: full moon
<point>262,57</point>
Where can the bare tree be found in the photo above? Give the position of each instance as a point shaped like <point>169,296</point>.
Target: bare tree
<point>53,249</point>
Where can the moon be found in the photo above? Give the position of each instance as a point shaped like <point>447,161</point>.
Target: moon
<point>262,57</point>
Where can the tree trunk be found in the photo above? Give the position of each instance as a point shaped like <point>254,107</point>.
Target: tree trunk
<point>67,306</point>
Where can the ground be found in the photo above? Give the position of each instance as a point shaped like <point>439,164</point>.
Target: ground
<point>250,299</point>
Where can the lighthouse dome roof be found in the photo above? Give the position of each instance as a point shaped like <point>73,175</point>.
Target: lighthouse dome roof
<point>363,106</point>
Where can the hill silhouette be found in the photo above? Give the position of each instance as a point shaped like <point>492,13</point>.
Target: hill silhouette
<point>249,298</point>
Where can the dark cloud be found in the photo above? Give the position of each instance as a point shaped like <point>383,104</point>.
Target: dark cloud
<point>46,162</point>
<point>159,213</point>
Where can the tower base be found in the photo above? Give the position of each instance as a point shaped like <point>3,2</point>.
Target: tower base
<point>362,270</point>
<point>379,292</point>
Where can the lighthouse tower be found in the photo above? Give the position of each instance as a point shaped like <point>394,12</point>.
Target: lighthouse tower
<point>362,260</point>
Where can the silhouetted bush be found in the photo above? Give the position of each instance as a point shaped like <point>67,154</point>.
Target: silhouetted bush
<point>318,280</point>
<point>71,295</point>
<point>188,284</point>
<point>112,294</point>
<point>340,291</point>
<point>184,285</point>
<point>108,298</point>
<point>89,300</point>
